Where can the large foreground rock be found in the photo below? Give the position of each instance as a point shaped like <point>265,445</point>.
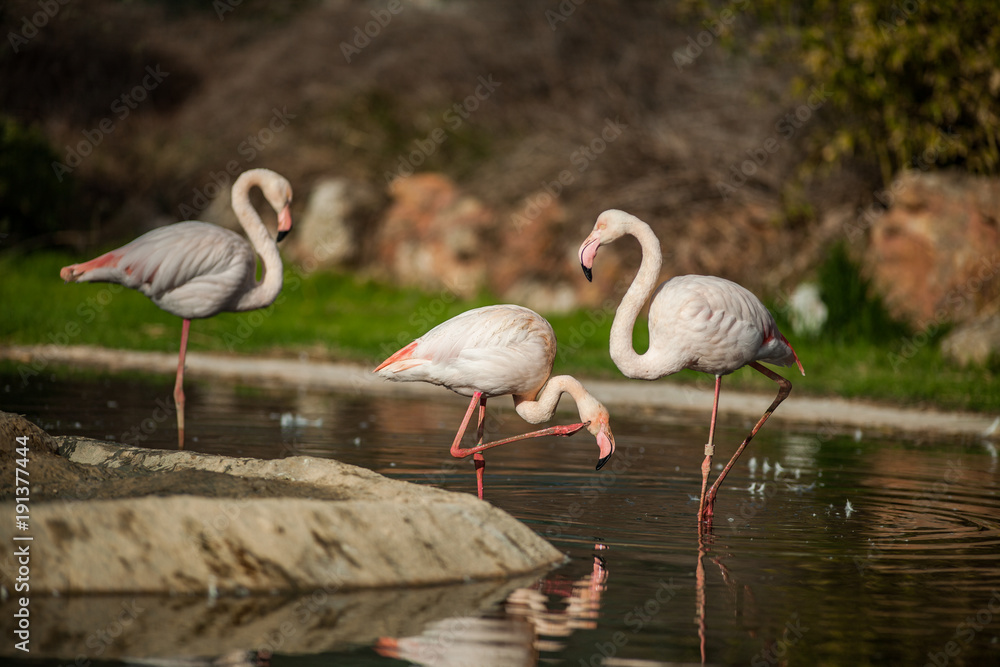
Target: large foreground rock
<point>344,556</point>
<point>221,525</point>
<point>189,544</point>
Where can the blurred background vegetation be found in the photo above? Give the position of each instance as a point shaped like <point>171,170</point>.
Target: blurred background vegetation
<point>699,84</point>
<point>910,81</point>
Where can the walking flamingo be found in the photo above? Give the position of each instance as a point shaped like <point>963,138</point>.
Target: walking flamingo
<point>196,270</point>
<point>704,323</point>
<point>494,351</point>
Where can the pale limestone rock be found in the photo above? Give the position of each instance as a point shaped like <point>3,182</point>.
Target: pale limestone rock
<point>192,544</point>
<point>973,343</point>
<point>222,525</point>
<point>324,236</point>
<point>366,557</point>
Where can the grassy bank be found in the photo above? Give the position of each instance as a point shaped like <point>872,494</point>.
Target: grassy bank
<point>334,316</point>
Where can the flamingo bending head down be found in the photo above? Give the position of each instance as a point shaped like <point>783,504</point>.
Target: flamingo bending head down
<point>495,351</point>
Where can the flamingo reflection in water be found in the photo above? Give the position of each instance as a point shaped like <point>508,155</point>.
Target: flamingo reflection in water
<point>515,638</point>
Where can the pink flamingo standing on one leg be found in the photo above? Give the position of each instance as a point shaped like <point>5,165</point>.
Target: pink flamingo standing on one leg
<point>493,351</point>
<point>196,270</point>
<point>704,323</point>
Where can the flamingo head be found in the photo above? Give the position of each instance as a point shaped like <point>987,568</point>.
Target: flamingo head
<point>598,423</point>
<point>610,226</point>
<point>278,192</point>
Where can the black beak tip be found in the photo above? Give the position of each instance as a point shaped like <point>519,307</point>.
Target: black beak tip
<point>600,464</point>
<point>589,273</point>
<point>281,235</point>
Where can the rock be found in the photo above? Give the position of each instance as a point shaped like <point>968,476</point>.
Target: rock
<point>806,310</point>
<point>433,236</point>
<point>190,544</point>
<point>46,469</point>
<point>250,525</point>
<point>935,253</point>
<point>324,237</point>
<point>973,343</point>
<point>436,237</point>
<point>527,269</point>
<point>541,296</point>
<point>13,427</point>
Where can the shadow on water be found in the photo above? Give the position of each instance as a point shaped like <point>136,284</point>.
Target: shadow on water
<point>827,549</point>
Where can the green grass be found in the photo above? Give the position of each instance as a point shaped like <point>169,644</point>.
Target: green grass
<point>339,316</point>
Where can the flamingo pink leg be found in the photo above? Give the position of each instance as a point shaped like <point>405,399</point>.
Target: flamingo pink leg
<point>561,430</point>
<point>179,385</point>
<point>478,458</point>
<point>784,388</point>
<point>458,452</point>
<point>706,465</point>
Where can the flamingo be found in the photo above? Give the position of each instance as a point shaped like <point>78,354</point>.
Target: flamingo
<point>704,323</point>
<point>494,351</point>
<point>196,270</point>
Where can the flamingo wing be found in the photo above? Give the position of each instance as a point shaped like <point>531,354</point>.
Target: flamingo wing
<point>191,269</point>
<point>496,350</point>
<point>715,325</point>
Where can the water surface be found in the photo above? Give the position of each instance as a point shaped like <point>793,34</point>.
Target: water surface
<point>827,548</point>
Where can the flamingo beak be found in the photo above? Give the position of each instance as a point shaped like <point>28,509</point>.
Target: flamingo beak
<point>284,222</point>
<point>606,441</point>
<point>588,251</point>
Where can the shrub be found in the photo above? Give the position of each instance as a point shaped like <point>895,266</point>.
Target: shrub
<point>855,311</point>
<point>910,81</point>
<point>32,201</point>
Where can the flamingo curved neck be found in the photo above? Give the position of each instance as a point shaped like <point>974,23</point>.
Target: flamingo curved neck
<point>544,405</point>
<point>629,362</point>
<point>264,292</point>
